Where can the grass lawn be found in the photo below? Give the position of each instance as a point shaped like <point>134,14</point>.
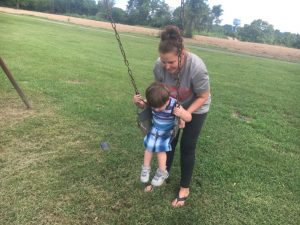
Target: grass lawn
<point>52,170</point>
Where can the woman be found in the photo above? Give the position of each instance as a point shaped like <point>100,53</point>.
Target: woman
<point>193,94</point>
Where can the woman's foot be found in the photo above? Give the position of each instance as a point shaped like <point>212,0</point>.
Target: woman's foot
<point>181,197</point>
<point>148,188</point>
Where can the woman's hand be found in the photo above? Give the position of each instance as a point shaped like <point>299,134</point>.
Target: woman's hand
<point>138,101</point>
<point>181,124</point>
<point>178,110</point>
<point>182,113</point>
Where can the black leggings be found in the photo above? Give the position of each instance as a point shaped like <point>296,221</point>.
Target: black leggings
<point>188,142</point>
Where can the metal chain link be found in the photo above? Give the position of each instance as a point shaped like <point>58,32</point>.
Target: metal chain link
<point>181,16</point>
<point>179,48</point>
<point>114,26</point>
<point>179,69</point>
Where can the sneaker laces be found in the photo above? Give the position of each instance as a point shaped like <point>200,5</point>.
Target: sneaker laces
<point>145,170</point>
<point>159,173</point>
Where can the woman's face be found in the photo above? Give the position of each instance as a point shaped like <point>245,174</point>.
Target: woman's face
<point>169,61</point>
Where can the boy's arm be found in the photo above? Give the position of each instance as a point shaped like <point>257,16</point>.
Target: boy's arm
<point>182,113</point>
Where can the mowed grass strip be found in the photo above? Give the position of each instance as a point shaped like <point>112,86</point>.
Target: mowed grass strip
<point>52,170</point>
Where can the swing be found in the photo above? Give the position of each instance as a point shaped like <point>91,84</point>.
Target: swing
<point>144,116</point>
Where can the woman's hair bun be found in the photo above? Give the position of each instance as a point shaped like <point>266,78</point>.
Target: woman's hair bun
<point>170,40</point>
<point>171,33</point>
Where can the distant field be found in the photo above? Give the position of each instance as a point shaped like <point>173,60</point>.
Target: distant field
<point>52,170</point>
<point>256,49</point>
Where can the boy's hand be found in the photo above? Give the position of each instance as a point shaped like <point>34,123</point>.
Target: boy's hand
<point>138,100</point>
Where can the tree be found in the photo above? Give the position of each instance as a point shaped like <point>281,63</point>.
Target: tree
<point>296,43</point>
<point>197,16</point>
<point>104,7</point>
<point>119,15</point>
<point>89,7</point>
<point>138,11</point>
<point>176,17</point>
<point>147,12</point>
<point>216,12</point>
<point>229,30</point>
<point>161,15</point>
<point>10,3</point>
<point>258,31</point>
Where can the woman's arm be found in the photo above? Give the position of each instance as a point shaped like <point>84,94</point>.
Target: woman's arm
<point>198,102</point>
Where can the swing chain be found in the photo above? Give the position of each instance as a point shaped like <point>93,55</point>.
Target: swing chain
<point>181,16</point>
<point>179,47</point>
<point>179,69</point>
<point>114,26</point>
<point>145,121</point>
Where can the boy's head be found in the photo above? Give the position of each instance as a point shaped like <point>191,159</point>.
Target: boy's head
<point>157,95</point>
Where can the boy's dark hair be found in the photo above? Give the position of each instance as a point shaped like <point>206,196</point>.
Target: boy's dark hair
<point>157,94</point>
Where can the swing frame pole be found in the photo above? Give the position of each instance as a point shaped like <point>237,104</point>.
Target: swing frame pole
<point>14,83</point>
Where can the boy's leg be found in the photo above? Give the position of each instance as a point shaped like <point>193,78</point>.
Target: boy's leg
<point>147,158</point>
<point>162,160</point>
<point>146,168</point>
<point>161,173</point>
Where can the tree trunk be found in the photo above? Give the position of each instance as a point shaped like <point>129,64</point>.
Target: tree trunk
<point>189,29</point>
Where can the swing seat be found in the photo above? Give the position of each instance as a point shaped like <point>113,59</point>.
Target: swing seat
<point>176,127</point>
<point>144,120</point>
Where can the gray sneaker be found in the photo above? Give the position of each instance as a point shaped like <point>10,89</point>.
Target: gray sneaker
<point>159,177</point>
<point>145,173</point>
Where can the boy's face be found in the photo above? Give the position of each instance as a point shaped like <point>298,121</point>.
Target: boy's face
<point>160,109</point>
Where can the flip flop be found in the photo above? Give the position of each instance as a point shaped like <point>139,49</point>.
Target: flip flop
<point>178,199</point>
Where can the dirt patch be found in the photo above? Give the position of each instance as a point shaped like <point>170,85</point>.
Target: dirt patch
<point>12,113</point>
<point>273,51</point>
<point>74,82</point>
<point>238,115</point>
<point>270,51</point>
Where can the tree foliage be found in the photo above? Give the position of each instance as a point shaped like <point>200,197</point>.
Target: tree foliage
<point>148,12</point>
<point>258,31</point>
<point>105,7</point>
<point>216,12</point>
<point>199,17</point>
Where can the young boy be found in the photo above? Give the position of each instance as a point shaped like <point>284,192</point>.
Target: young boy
<point>158,140</point>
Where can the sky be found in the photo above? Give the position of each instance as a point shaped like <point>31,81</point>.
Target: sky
<point>283,15</point>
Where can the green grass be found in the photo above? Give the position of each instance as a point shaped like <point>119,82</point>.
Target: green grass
<point>53,172</point>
